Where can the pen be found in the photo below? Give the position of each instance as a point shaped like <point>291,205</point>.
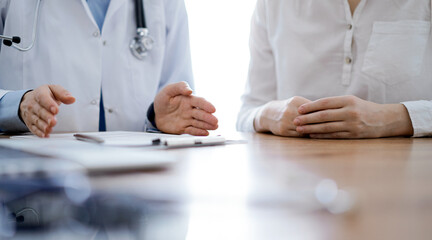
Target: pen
<point>86,138</point>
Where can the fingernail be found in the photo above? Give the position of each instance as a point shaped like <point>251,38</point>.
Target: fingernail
<point>300,129</point>
<point>52,109</point>
<point>301,109</point>
<point>296,121</point>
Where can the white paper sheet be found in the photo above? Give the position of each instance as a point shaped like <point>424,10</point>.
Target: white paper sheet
<point>135,139</point>
<point>93,157</point>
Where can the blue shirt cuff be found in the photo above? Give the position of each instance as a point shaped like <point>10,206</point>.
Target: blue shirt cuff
<point>151,121</point>
<point>9,107</point>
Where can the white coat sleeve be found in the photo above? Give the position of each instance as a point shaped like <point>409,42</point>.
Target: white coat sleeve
<point>261,86</point>
<point>9,103</point>
<point>4,4</point>
<point>421,117</point>
<point>177,64</point>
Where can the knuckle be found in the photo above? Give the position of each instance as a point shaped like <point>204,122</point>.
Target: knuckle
<point>351,100</point>
<point>297,100</point>
<point>37,94</point>
<point>198,113</point>
<point>40,112</point>
<point>196,123</point>
<point>29,107</point>
<point>24,114</point>
<point>24,106</point>
<point>353,114</point>
<point>43,89</point>
<point>183,83</point>
<point>325,102</point>
<point>323,115</point>
<point>327,128</point>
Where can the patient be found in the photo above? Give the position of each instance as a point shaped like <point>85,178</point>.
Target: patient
<point>340,69</point>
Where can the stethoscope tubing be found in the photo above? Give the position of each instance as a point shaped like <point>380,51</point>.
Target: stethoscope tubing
<point>35,28</point>
<point>142,31</point>
<point>140,14</point>
<point>34,33</point>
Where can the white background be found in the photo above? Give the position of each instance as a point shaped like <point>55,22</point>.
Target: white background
<point>219,32</point>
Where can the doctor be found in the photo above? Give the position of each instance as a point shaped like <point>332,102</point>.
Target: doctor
<point>81,75</point>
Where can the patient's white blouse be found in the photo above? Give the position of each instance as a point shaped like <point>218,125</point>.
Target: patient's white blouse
<point>316,49</point>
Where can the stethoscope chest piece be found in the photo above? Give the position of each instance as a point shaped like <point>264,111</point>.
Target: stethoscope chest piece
<point>141,44</point>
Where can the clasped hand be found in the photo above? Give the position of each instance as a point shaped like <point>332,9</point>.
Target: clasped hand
<point>340,117</point>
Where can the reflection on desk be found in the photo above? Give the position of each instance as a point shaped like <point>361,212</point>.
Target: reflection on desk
<point>64,207</point>
<point>271,188</point>
<point>285,188</point>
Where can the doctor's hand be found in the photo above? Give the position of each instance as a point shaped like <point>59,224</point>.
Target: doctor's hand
<point>39,107</point>
<point>177,111</point>
<point>278,116</point>
<point>352,117</point>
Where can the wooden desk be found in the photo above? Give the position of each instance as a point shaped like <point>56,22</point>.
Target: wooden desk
<point>267,189</point>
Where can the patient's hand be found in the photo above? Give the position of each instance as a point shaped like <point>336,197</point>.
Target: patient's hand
<point>352,117</point>
<point>39,107</point>
<point>278,116</point>
<point>177,111</point>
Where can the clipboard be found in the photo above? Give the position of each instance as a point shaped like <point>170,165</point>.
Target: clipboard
<point>138,139</point>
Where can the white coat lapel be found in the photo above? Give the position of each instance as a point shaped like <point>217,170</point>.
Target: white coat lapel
<point>89,13</point>
<point>114,6</point>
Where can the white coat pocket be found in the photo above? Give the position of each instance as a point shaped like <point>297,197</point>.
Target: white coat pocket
<point>396,51</point>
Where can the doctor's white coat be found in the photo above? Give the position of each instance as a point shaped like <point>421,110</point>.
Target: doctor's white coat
<point>71,51</point>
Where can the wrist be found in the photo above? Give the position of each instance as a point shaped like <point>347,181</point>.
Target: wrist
<point>398,121</point>
<point>259,121</point>
<point>21,101</point>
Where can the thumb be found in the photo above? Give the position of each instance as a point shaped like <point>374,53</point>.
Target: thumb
<point>61,94</point>
<point>180,88</point>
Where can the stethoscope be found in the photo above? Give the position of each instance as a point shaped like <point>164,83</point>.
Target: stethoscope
<point>143,42</point>
<point>15,40</point>
<point>140,45</point>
